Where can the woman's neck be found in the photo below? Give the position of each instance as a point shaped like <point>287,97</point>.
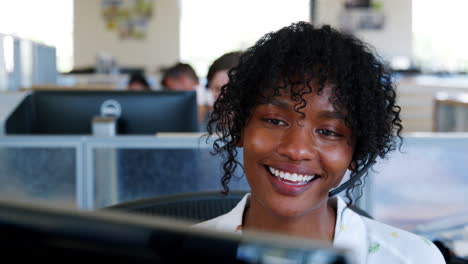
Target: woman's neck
<point>318,224</point>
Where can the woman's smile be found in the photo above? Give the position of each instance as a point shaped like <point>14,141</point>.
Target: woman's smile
<point>290,181</point>
<point>292,178</point>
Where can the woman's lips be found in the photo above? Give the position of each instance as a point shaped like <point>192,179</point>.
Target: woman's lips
<point>290,183</point>
<point>291,177</point>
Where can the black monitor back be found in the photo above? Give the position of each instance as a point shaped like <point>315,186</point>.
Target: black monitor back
<point>72,112</point>
<point>58,235</point>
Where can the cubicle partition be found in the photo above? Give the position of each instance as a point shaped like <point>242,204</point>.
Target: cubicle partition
<point>24,63</point>
<point>135,167</point>
<point>48,169</point>
<point>451,112</point>
<point>423,182</point>
<point>94,172</point>
<point>424,188</point>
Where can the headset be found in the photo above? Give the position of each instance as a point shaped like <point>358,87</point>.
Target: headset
<point>352,180</point>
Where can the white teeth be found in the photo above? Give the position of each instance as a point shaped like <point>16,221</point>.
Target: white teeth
<point>272,171</point>
<point>294,177</point>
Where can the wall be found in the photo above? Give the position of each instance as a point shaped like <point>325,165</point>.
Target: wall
<point>395,39</point>
<point>160,48</point>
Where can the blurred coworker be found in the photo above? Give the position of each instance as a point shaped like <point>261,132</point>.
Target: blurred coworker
<point>216,78</point>
<point>138,82</point>
<point>182,77</point>
<point>217,75</point>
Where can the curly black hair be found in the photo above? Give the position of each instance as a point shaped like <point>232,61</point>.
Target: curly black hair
<point>293,57</point>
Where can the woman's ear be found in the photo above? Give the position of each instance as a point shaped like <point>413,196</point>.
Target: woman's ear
<point>353,166</point>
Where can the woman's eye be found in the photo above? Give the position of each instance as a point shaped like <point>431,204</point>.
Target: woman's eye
<point>275,122</point>
<point>327,132</point>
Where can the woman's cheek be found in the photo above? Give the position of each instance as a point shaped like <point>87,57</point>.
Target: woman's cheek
<point>261,141</point>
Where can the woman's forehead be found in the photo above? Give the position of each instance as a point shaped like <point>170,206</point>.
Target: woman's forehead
<point>313,99</point>
<point>298,92</point>
<point>304,100</point>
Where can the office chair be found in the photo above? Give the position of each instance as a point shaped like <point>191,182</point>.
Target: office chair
<point>194,207</point>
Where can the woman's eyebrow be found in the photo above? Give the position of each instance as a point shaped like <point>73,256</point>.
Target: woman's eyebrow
<point>332,115</point>
<point>276,102</point>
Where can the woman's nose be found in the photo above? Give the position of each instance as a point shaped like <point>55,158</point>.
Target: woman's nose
<point>298,143</point>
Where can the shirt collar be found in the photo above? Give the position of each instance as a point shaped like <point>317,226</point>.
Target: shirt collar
<point>350,231</point>
<point>231,221</point>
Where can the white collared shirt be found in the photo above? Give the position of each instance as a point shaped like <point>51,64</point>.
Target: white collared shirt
<point>370,242</point>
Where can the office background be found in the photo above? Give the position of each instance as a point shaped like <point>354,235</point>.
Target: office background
<point>422,40</point>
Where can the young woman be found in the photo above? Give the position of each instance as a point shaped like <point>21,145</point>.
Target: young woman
<point>305,105</point>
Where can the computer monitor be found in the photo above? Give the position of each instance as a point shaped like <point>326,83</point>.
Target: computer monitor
<point>72,112</point>
<point>58,235</point>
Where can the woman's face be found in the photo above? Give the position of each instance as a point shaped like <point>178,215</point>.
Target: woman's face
<point>292,163</point>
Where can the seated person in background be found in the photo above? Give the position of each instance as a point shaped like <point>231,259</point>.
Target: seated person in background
<point>182,77</point>
<point>307,104</point>
<point>216,78</point>
<point>138,82</point>
<point>217,75</point>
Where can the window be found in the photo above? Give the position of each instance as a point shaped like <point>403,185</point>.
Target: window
<point>439,35</point>
<point>210,28</point>
<point>46,21</point>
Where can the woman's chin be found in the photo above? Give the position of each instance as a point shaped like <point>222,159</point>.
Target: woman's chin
<point>290,210</point>
<point>292,207</point>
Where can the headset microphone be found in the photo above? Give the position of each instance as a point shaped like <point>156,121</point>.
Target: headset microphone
<point>352,180</point>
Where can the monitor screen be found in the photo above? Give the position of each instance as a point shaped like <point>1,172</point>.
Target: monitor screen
<point>58,235</point>
<point>72,112</point>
